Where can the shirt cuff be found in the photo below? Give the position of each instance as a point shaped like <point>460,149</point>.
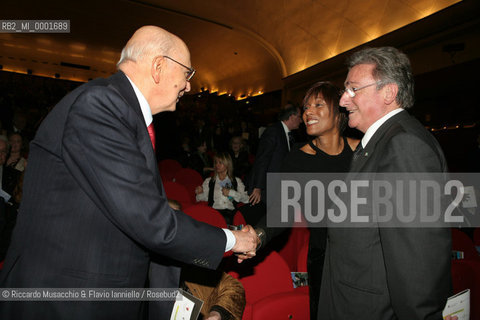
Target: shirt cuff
<point>230,240</point>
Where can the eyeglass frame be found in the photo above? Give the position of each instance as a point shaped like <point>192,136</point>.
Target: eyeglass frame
<point>352,91</point>
<point>190,70</point>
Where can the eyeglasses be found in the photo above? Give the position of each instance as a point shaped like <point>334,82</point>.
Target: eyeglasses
<point>191,71</point>
<point>352,91</point>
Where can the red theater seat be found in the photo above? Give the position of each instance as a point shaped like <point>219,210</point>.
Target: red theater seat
<point>462,242</point>
<point>270,294</point>
<point>206,214</point>
<point>168,168</point>
<point>190,179</point>
<point>176,191</point>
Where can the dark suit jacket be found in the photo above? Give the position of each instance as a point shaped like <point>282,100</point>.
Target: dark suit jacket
<point>94,209</point>
<point>389,273</point>
<point>272,148</point>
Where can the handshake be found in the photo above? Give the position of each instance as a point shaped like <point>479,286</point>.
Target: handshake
<point>248,240</point>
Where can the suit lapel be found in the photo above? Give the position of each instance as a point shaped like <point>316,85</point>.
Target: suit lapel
<point>121,83</point>
<point>367,152</point>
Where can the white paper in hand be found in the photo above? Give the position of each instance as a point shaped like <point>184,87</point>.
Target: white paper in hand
<point>458,305</point>
<point>186,307</point>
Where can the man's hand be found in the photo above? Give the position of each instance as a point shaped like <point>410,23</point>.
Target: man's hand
<point>198,190</point>
<point>246,242</point>
<point>255,196</point>
<point>451,318</point>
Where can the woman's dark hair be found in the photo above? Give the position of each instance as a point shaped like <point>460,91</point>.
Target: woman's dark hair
<point>331,94</point>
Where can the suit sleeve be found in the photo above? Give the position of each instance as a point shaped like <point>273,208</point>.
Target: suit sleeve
<point>102,148</point>
<point>266,150</point>
<point>417,260</point>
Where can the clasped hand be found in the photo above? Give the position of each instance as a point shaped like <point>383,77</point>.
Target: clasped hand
<point>246,243</point>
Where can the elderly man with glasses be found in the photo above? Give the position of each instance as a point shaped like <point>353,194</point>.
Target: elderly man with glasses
<point>94,212</point>
<point>377,272</point>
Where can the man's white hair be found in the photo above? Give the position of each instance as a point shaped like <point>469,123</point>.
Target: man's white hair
<point>157,44</point>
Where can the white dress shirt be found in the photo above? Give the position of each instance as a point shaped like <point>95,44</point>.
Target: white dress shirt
<point>286,133</point>
<point>377,124</point>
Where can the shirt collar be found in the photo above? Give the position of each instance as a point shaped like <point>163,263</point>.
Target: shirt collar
<point>374,127</point>
<point>286,133</point>
<point>144,106</point>
<point>285,128</point>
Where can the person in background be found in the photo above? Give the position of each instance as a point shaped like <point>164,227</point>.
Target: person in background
<point>239,156</point>
<point>11,182</point>
<point>3,130</point>
<point>8,176</point>
<point>224,190</point>
<point>275,142</point>
<point>185,152</point>
<point>223,295</point>
<point>199,160</point>
<point>8,216</point>
<point>16,159</point>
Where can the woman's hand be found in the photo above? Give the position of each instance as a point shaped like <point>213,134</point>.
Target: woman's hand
<point>198,190</point>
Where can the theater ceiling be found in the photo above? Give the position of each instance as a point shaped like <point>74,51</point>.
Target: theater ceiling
<point>239,47</point>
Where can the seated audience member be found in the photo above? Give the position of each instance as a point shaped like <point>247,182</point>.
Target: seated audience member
<point>174,204</point>
<point>8,217</point>
<point>223,191</point>
<point>239,156</point>
<point>15,159</point>
<point>185,152</point>
<point>8,176</point>
<point>199,160</point>
<point>220,139</point>
<point>3,130</point>
<point>223,295</point>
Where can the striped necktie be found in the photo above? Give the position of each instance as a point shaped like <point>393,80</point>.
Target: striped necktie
<point>358,151</point>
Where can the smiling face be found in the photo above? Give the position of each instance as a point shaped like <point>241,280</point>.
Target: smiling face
<point>318,116</point>
<point>368,105</point>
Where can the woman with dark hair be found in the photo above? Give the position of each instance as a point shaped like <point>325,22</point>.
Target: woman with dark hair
<point>328,151</point>
<point>223,191</point>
